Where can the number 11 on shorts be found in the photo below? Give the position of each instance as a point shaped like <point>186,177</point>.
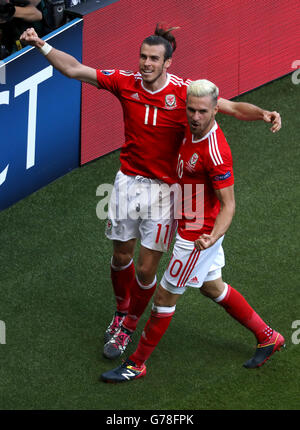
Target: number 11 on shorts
<point>159,231</point>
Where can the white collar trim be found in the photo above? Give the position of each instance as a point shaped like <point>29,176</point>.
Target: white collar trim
<point>160,89</point>
<point>213,129</point>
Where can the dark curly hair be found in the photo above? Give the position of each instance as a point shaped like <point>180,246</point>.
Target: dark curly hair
<point>163,36</point>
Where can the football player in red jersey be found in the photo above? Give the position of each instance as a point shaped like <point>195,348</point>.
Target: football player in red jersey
<point>153,102</point>
<point>197,260</point>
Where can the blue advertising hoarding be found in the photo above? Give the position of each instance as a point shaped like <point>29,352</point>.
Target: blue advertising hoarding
<point>39,118</point>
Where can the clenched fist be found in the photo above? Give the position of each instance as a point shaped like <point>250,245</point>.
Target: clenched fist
<point>30,37</point>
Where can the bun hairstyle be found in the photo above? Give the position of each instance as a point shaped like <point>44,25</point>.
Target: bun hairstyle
<point>163,36</point>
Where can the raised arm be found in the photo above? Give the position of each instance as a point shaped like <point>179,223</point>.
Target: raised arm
<point>250,112</point>
<point>63,62</point>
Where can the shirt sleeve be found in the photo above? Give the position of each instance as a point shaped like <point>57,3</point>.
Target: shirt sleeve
<point>109,80</point>
<point>220,168</point>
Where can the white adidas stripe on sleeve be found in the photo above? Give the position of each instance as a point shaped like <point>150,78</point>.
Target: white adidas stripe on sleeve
<point>214,150</point>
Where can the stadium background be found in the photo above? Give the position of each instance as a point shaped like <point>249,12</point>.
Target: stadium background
<point>56,295</point>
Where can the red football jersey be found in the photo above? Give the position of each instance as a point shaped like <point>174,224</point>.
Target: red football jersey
<point>203,166</point>
<point>154,122</point>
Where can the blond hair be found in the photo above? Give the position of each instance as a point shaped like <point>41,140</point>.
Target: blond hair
<point>202,88</point>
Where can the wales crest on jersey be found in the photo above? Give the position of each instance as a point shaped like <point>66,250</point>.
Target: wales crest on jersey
<point>193,160</point>
<point>170,100</point>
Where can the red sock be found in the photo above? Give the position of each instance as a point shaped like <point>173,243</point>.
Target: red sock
<point>154,329</point>
<point>122,280</point>
<point>140,297</point>
<point>236,305</point>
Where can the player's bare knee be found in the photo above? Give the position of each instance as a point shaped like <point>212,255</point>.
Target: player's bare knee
<point>122,253</point>
<point>204,292</point>
<point>121,259</point>
<point>147,264</point>
<point>213,289</point>
<point>146,271</point>
<point>164,298</point>
<point>145,274</point>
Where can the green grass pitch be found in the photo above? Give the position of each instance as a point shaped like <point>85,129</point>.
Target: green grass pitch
<point>56,297</point>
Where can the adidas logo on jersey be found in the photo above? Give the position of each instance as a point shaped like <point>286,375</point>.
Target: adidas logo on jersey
<point>135,96</point>
<point>194,280</point>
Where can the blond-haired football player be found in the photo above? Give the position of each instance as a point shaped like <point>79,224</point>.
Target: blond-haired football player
<point>204,159</point>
